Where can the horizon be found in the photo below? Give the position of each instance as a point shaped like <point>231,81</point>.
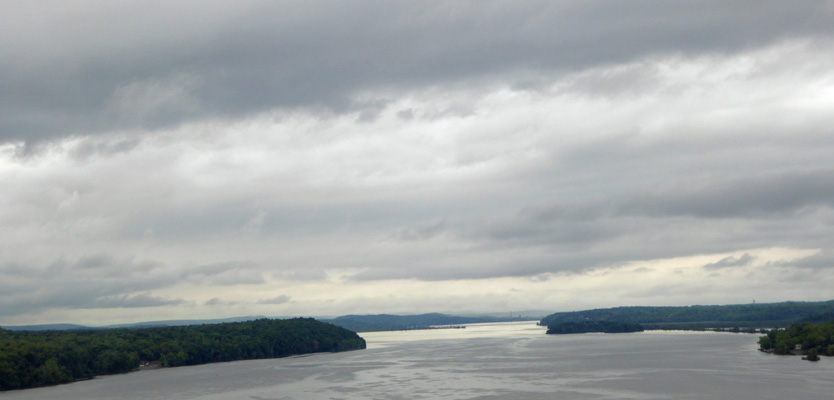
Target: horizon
<point>486,314</point>
<point>183,160</point>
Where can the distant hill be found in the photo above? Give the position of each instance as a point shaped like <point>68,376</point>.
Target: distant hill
<point>387,322</point>
<point>148,324</point>
<point>741,315</point>
<point>527,315</point>
<point>46,327</point>
<point>356,323</point>
<point>186,322</point>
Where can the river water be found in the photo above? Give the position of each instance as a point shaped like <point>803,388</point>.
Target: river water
<point>487,361</point>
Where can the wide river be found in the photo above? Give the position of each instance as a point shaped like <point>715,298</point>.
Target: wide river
<point>487,361</point>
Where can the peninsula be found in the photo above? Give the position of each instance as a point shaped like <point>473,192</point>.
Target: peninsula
<point>32,359</point>
<point>806,339</point>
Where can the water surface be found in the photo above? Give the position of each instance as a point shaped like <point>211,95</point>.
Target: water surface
<point>487,361</point>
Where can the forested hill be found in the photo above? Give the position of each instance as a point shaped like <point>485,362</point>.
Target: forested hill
<point>387,322</point>
<point>30,359</point>
<point>763,314</point>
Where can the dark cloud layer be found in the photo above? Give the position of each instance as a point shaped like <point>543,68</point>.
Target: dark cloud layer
<point>770,195</point>
<point>102,281</point>
<point>275,300</point>
<point>98,281</point>
<point>134,302</point>
<point>101,66</point>
<point>226,273</point>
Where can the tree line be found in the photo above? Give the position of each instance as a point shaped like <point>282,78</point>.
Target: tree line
<point>32,359</point>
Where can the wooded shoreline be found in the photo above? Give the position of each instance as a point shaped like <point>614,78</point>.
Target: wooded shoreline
<point>34,359</point>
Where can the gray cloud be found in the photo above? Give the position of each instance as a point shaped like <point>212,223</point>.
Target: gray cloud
<point>216,301</point>
<point>134,302</point>
<point>771,195</point>
<point>729,262</point>
<point>422,232</point>
<point>275,300</point>
<point>102,281</point>
<point>300,274</point>
<point>108,65</point>
<point>226,273</point>
<point>98,281</point>
<point>822,261</point>
<point>92,148</point>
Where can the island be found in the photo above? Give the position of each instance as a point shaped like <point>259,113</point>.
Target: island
<point>562,328</point>
<point>31,359</point>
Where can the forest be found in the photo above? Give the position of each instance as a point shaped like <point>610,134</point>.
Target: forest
<point>804,338</point>
<point>32,359</point>
<point>726,316</point>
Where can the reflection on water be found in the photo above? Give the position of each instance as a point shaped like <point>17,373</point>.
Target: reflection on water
<point>507,329</point>
<point>488,361</point>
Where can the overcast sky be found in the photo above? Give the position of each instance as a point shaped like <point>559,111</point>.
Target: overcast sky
<point>171,160</point>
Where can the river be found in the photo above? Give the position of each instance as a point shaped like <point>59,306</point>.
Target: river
<point>487,361</point>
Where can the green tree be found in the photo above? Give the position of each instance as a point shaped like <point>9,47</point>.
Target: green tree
<point>765,343</point>
<point>781,348</point>
<point>50,373</point>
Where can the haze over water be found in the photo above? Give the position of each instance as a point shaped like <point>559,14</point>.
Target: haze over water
<point>487,361</point>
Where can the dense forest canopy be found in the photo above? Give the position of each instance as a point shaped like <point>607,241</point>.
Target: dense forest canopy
<point>766,314</point>
<point>30,359</point>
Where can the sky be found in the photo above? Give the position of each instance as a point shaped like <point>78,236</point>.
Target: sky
<point>176,160</point>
